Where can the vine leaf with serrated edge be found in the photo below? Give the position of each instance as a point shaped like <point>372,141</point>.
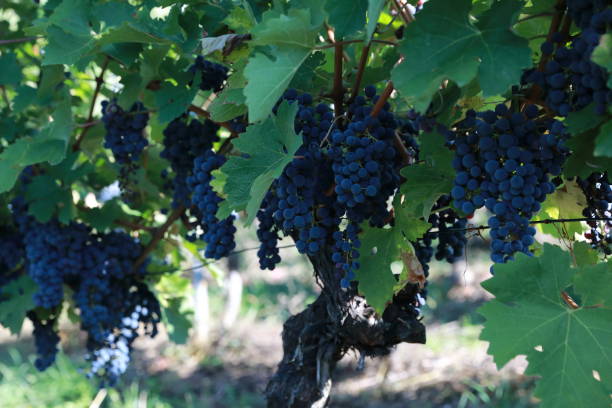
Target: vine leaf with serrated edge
<point>444,44</point>
<point>563,344</point>
<point>266,148</point>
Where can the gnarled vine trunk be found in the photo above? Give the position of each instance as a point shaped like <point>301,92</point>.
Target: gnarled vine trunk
<point>317,338</point>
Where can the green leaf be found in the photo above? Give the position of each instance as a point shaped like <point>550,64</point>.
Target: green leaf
<point>102,218</point>
<point>580,121</point>
<point>268,79</point>
<point>16,298</point>
<point>132,32</point>
<point>71,16</point>
<point>227,105</point>
<point>49,146</point>
<point>407,220</point>
<point>270,146</point>
<point>346,16</point>
<point>380,248</point>
<point>177,322</point>
<point>66,48</point>
<point>582,162</point>
<point>584,254</point>
<point>26,95</point>
<point>44,196</point>
<point>10,70</point>
<point>426,182</point>
<point>292,30</point>
<point>443,44</point>
<point>603,141</point>
<point>375,7</point>
<point>293,37</point>
<point>602,54</point>
<point>173,100</point>
<point>529,311</point>
<point>567,201</point>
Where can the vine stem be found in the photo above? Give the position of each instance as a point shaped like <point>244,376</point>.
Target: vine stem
<point>337,92</point>
<point>99,81</point>
<point>382,100</point>
<point>158,235</point>
<point>406,16</point>
<point>205,114</point>
<point>19,40</point>
<point>360,70</point>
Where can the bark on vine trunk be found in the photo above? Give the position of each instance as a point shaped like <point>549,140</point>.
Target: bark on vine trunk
<point>338,321</point>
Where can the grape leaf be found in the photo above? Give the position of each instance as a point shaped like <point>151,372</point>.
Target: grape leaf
<point>584,254</point>
<point>380,248</point>
<point>582,162</point>
<point>603,141</point>
<point>49,146</point>
<point>66,48</point>
<point>227,105</point>
<point>374,9</point>
<point>72,17</point>
<point>10,71</point>
<point>16,298</point>
<point>443,44</point>
<point>582,120</point>
<point>346,16</point>
<point>177,322</point>
<point>292,39</point>
<point>529,311</point>
<point>566,202</point>
<point>269,147</point>
<point>172,100</point>
<point>602,54</point>
<point>44,195</point>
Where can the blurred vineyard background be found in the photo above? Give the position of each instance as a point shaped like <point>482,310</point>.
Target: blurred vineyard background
<point>234,346</point>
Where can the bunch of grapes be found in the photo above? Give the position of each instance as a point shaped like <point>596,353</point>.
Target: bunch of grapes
<point>598,192</point>
<point>570,80</point>
<point>504,162</point>
<point>12,253</point>
<point>99,270</point>
<point>297,202</point>
<point>46,341</point>
<point>213,75</point>
<point>183,142</point>
<point>218,234</point>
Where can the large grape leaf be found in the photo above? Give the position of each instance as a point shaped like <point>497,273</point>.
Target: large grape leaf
<point>563,344</point>
<point>602,54</point>
<point>444,44</point>
<point>379,249</point>
<point>290,39</point>
<point>49,146</point>
<point>266,148</point>
<point>66,48</point>
<point>16,298</point>
<point>567,201</point>
<point>346,16</point>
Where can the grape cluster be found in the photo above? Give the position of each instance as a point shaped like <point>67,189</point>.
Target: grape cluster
<point>570,80</point>
<point>184,141</point>
<point>344,170</point>
<point>12,253</point>
<point>124,131</point>
<point>213,75</point>
<point>99,270</point>
<point>598,192</point>
<point>298,203</point>
<point>218,234</point>
<point>504,162</point>
<point>46,341</point>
